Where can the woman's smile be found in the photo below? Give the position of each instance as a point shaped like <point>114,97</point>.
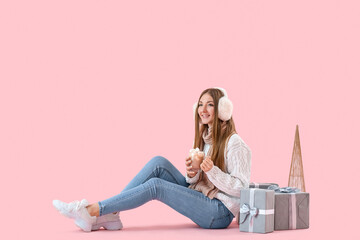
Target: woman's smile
<point>206,109</point>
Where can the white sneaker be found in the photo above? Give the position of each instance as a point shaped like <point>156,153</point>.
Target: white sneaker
<point>76,210</point>
<point>109,222</point>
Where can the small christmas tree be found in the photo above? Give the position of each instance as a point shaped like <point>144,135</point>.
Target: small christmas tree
<point>296,176</point>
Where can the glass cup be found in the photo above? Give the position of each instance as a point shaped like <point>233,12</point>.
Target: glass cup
<point>197,157</point>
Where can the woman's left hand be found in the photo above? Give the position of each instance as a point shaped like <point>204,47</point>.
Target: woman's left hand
<point>207,164</point>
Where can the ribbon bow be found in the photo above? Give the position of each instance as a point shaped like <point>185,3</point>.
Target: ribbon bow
<point>246,209</point>
<point>283,189</point>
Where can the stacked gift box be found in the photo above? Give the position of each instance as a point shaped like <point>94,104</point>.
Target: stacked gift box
<point>265,207</point>
<point>291,208</point>
<point>257,210</point>
<point>256,185</point>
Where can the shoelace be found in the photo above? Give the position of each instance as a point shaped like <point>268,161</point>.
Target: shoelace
<point>77,205</point>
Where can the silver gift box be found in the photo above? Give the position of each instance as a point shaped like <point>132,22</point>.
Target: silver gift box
<point>260,217</point>
<point>291,210</point>
<point>257,185</point>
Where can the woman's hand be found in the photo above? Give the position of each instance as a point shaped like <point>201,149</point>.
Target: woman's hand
<point>189,170</point>
<point>207,164</point>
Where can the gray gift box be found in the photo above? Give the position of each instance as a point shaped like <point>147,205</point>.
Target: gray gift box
<point>261,185</point>
<point>260,217</point>
<point>291,210</point>
<point>257,185</point>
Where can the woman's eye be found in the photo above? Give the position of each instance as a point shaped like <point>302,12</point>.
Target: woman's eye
<point>211,104</point>
<point>200,105</point>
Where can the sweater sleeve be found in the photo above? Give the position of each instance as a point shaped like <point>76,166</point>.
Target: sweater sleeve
<point>193,179</point>
<point>238,164</point>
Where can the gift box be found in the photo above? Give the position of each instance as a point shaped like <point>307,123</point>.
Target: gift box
<point>291,209</point>
<point>261,185</point>
<point>257,185</point>
<point>256,210</point>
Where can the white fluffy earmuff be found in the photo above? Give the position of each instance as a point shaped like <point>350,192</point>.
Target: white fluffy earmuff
<point>225,106</point>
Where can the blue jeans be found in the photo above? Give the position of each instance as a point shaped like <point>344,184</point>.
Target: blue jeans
<point>160,180</point>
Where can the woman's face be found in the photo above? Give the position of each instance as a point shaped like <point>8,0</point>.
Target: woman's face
<point>206,109</point>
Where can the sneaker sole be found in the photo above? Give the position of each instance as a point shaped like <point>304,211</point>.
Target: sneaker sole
<point>83,225</point>
<point>112,226</point>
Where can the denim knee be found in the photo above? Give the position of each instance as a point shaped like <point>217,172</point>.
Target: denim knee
<point>159,161</point>
<point>154,184</point>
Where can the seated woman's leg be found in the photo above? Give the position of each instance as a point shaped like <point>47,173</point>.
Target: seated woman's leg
<point>157,167</point>
<point>206,212</point>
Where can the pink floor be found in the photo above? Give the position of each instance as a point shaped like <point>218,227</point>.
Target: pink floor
<point>155,221</point>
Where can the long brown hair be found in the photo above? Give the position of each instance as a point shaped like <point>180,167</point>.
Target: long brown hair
<point>219,138</point>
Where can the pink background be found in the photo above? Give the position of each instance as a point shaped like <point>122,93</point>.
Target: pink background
<point>91,90</point>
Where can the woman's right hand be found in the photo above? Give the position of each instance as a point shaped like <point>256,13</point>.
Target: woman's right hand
<point>189,170</point>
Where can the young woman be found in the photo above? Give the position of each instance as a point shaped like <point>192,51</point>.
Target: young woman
<point>210,196</point>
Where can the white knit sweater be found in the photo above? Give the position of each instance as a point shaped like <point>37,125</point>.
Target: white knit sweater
<point>237,176</point>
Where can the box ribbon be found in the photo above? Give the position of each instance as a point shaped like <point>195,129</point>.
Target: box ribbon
<point>253,211</point>
<point>283,189</point>
<point>292,211</point>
